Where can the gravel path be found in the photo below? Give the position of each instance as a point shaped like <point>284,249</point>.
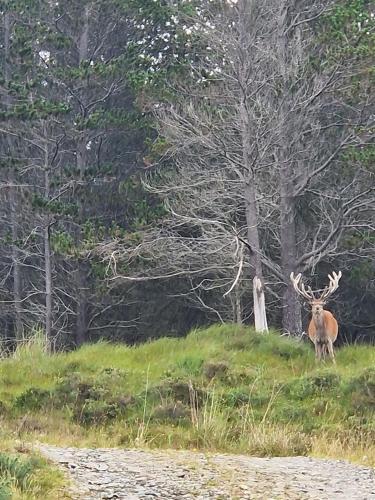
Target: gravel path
<point>174,475</point>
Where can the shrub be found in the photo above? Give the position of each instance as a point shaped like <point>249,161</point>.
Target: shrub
<point>237,397</point>
<point>91,401</point>
<point>71,393</point>
<point>312,385</point>
<point>290,413</point>
<point>171,412</point>
<point>362,390</point>
<point>96,412</point>
<point>179,390</point>
<point>240,397</point>
<point>73,390</point>
<point>32,399</point>
<point>214,369</point>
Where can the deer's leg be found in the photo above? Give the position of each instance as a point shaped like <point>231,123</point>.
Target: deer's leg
<point>330,350</point>
<point>317,351</point>
<point>324,351</point>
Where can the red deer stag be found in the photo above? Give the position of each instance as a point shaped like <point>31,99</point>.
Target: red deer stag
<point>323,327</point>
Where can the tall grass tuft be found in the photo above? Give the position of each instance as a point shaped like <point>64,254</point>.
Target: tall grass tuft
<point>35,346</point>
<point>16,470</point>
<point>28,477</point>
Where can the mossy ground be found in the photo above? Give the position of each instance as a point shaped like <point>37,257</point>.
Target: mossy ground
<point>224,388</point>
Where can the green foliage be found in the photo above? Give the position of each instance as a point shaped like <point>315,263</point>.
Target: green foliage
<point>364,270</point>
<point>99,270</point>
<point>17,470</point>
<point>32,399</point>
<point>101,118</point>
<point>313,385</point>
<point>151,59</point>
<point>238,397</point>
<point>28,477</point>
<point>89,400</point>
<point>351,22</point>
<point>157,147</point>
<point>348,37</point>
<point>178,390</point>
<point>364,156</point>
<point>92,233</point>
<point>95,412</point>
<point>191,365</point>
<point>5,492</point>
<point>38,109</point>
<point>171,412</point>
<point>362,390</point>
<point>143,209</point>
<point>56,206</point>
<point>62,243</point>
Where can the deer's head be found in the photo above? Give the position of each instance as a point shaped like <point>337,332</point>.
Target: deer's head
<point>316,301</point>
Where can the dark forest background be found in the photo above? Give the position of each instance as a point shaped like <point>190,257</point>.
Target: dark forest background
<point>152,151</point>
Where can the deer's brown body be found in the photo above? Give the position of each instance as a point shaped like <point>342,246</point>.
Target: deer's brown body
<point>323,328</point>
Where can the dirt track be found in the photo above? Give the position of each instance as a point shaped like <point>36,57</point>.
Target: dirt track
<point>172,475</point>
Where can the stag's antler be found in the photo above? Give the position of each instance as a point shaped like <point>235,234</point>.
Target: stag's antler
<point>308,294</point>
<point>299,287</point>
<point>333,285</point>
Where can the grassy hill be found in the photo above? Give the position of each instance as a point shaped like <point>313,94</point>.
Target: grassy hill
<point>223,388</point>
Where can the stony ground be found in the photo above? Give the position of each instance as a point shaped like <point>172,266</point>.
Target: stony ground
<point>173,475</point>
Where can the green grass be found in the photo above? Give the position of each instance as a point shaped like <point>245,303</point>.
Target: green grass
<point>27,476</point>
<point>224,388</point>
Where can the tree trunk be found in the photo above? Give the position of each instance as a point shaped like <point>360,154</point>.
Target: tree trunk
<point>13,197</point>
<point>251,208</point>
<point>48,283</point>
<point>81,274</point>
<point>17,276</point>
<point>47,253</point>
<point>237,304</point>
<point>291,306</point>
<point>252,223</point>
<point>81,318</point>
<point>252,229</point>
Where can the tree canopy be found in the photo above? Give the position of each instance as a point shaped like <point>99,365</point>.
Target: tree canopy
<point>156,156</point>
